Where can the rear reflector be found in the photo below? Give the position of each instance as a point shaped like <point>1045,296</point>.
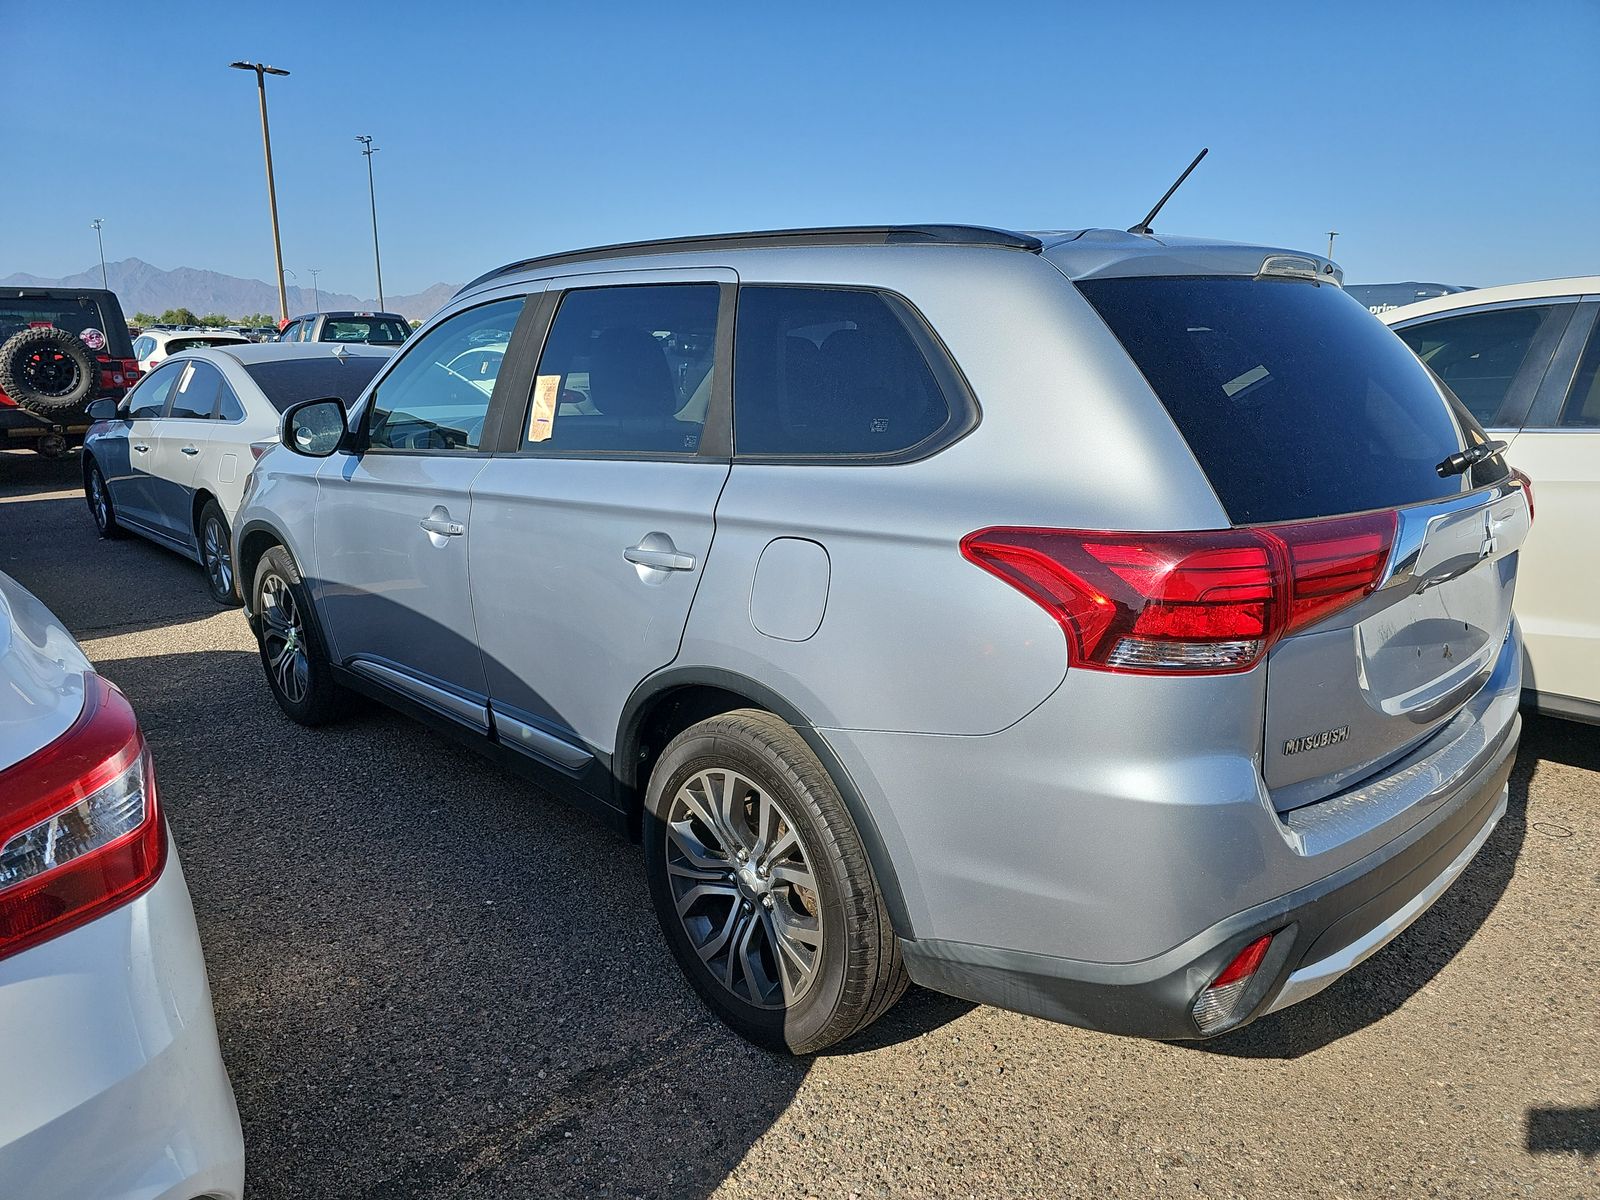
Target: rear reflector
<point>80,833</point>
<point>1208,602</point>
<point>1214,1007</point>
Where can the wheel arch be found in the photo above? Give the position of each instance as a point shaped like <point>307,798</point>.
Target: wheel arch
<point>252,541</point>
<point>672,700</point>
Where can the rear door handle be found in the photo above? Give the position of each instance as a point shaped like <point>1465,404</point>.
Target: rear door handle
<point>660,559</point>
<point>443,527</point>
<point>190,450</point>
<point>141,449</point>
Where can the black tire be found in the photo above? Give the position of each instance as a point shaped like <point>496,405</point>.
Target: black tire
<point>48,371</point>
<point>856,972</point>
<point>98,496</point>
<point>212,539</point>
<point>302,684</point>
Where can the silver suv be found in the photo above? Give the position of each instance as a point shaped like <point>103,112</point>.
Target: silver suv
<point>1111,627</point>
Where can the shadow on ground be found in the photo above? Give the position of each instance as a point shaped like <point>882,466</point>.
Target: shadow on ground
<point>431,980</point>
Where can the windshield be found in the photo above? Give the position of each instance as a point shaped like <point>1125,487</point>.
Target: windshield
<point>286,383</point>
<point>377,331</point>
<point>1296,401</point>
<point>102,330</point>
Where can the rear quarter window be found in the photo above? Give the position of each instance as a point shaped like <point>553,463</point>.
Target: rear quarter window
<point>1295,400</point>
<point>841,374</point>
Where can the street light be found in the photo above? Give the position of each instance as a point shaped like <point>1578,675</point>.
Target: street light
<point>95,224</point>
<point>262,71</point>
<point>369,150</point>
<point>316,296</point>
<point>1332,233</point>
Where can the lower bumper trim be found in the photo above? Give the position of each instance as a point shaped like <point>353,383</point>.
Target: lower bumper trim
<point>1312,978</point>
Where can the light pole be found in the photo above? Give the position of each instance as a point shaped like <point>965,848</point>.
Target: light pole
<point>369,150</point>
<point>316,296</point>
<point>1332,233</point>
<point>96,223</point>
<point>262,71</point>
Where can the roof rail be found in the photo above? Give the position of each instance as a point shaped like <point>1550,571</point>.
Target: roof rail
<point>845,235</point>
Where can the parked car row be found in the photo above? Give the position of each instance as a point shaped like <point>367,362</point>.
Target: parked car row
<point>1111,627</point>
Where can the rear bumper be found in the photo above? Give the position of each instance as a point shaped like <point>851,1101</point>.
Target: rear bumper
<point>113,1079</point>
<point>1321,931</point>
<point>20,425</point>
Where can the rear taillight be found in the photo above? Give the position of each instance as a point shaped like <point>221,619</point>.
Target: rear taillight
<point>1218,1005</point>
<point>1208,602</point>
<point>257,449</point>
<point>1526,485</point>
<point>80,831</point>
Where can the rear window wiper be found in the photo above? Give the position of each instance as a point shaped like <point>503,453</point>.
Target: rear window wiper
<point>1470,457</point>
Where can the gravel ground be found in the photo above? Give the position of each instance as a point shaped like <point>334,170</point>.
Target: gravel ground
<point>433,981</point>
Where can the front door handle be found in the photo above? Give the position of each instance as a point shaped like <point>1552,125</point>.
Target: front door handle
<point>442,526</point>
<point>191,450</point>
<point>651,552</point>
<point>141,449</point>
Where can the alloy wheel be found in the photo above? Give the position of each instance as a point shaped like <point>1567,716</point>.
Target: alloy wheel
<point>743,888</point>
<point>218,557</point>
<point>283,639</point>
<point>97,501</point>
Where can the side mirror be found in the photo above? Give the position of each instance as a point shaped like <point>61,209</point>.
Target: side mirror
<point>104,410</point>
<point>314,428</point>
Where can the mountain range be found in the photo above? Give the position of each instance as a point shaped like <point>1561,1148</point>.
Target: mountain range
<point>145,288</point>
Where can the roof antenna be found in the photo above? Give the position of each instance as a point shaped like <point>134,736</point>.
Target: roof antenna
<point>1144,225</point>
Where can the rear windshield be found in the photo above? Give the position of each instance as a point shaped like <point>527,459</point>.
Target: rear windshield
<point>1296,401</point>
<point>100,325</point>
<point>286,383</point>
<point>177,345</point>
<point>378,331</point>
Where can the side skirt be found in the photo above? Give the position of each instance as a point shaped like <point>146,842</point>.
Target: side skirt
<point>589,789</point>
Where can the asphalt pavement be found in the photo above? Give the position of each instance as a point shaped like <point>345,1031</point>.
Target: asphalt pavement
<point>434,981</point>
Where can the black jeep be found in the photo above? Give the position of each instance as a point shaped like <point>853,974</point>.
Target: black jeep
<point>61,349</point>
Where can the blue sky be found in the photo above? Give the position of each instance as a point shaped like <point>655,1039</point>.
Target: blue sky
<point>1457,142</point>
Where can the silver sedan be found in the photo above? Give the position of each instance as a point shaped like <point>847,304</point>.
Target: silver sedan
<point>170,460</point>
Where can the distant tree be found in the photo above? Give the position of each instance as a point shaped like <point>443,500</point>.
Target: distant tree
<point>179,316</point>
<point>256,321</point>
<point>214,321</point>
<point>144,318</point>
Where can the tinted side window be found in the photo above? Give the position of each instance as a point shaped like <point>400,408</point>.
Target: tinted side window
<point>149,398</point>
<point>195,396</point>
<point>1478,354</point>
<point>228,406</point>
<point>626,369</point>
<point>1582,409</point>
<point>437,396</point>
<point>820,372</point>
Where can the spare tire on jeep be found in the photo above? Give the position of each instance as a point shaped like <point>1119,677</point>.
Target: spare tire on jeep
<point>48,371</point>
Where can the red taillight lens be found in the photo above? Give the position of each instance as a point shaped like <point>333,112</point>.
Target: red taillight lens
<point>1526,485</point>
<point>1333,563</point>
<point>1208,602</point>
<point>80,832</point>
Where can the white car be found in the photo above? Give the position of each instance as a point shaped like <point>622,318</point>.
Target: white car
<point>111,1078</point>
<point>1525,358</point>
<point>171,458</point>
<point>155,346</point>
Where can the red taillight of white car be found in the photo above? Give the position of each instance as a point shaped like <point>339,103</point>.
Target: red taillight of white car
<point>80,830</point>
<point>1209,602</point>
